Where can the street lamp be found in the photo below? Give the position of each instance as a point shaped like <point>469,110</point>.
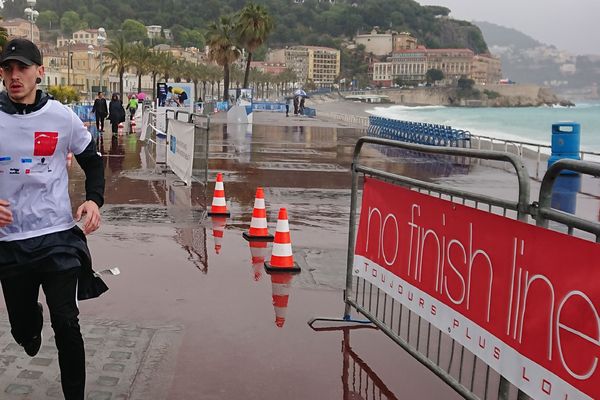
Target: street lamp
<point>69,61</point>
<point>32,14</point>
<point>90,54</point>
<point>101,38</point>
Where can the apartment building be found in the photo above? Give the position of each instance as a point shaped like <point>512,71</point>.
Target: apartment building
<point>410,62</point>
<point>379,44</point>
<point>319,65</point>
<point>22,28</point>
<point>323,65</point>
<point>486,69</point>
<point>86,36</point>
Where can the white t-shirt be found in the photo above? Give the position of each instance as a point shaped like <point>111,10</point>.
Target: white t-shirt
<point>33,169</point>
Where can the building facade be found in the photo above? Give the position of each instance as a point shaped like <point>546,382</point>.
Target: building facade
<point>380,44</point>
<point>410,63</point>
<point>486,69</point>
<point>323,65</point>
<point>21,28</point>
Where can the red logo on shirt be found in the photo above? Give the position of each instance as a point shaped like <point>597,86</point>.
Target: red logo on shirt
<point>45,143</point>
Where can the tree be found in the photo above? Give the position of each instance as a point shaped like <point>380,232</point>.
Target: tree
<point>47,19</point>
<point>167,65</point>
<point>70,22</point>
<point>433,75</point>
<point>140,60</point>
<point>119,58</point>
<point>3,35</point>
<point>254,26</point>
<point>465,84</point>
<point>154,68</point>
<point>134,31</point>
<point>222,47</point>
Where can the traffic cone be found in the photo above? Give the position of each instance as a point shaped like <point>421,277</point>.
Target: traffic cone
<point>69,159</point>
<point>218,227</point>
<point>219,206</point>
<point>120,128</point>
<point>282,259</point>
<point>258,251</point>
<point>258,224</point>
<point>281,285</point>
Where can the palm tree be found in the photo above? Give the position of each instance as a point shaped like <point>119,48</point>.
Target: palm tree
<point>180,70</point>
<point>140,60</point>
<point>119,58</point>
<point>254,26</point>
<point>215,74</point>
<point>168,62</point>
<point>3,35</point>
<point>222,47</point>
<point>155,68</point>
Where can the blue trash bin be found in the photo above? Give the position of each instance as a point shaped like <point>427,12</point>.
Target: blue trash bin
<point>566,139</point>
<point>564,193</point>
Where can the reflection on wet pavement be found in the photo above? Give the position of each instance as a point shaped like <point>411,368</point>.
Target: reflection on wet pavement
<point>181,266</point>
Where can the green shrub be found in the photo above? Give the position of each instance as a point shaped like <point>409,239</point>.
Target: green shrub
<point>64,94</point>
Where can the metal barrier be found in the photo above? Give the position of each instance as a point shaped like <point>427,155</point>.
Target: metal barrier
<point>159,140</point>
<point>350,119</point>
<point>462,370</point>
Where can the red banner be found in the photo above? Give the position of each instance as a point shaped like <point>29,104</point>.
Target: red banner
<point>522,298</point>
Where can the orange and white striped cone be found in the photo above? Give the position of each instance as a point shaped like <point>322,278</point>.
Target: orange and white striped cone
<point>281,285</point>
<point>258,251</point>
<point>69,159</point>
<point>282,259</point>
<point>218,227</point>
<point>258,225</point>
<point>219,205</point>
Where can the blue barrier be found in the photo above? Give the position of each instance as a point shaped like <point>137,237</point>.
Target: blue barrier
<point>268,106</point>
<point>222,106</point>
<point>84,112</point>
<point>418,132</point>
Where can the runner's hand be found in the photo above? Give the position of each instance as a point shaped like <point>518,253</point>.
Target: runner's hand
<point>6,217</point>
<point>92,221</point>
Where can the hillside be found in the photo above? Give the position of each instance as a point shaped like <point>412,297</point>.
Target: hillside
<point>308,22</point>
<point>526,60</point>
<point>498,35</point>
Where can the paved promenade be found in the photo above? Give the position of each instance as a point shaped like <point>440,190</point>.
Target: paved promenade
<point>191,317</point>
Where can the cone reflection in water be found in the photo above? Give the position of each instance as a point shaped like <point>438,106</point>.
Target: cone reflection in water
<point>281,285</point>
<point>282,259</point>
<point>218,227</point>
<point>219,205</point>
<point>258,225</point>
<point>258,251</point>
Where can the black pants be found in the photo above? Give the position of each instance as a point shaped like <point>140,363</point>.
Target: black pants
<point>115,127</point>
<point>100,122</point>
<point>21,296</point>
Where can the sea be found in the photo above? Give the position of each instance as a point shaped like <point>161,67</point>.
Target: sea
<point>529,124</point>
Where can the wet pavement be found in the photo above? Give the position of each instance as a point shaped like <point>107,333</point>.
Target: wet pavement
<point>193,315</point>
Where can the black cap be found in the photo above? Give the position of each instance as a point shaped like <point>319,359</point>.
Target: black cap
<point>22,50</point>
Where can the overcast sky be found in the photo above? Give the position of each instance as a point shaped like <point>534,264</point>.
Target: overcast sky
<point>572,25</point>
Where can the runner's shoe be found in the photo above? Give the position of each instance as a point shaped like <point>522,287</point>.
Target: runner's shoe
<point>33,346</point>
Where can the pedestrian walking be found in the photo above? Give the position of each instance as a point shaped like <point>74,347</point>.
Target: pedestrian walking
<point>100,110</point>
<point>116,113</point>
<point>132,106</point>
<point>40,243</point>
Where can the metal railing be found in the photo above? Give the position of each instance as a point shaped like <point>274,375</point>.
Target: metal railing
<point>464,372</point>
<point>159,140</point>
